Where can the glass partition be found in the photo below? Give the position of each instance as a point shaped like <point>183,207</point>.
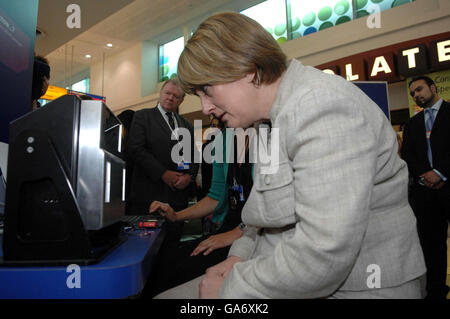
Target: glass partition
<point>366,7</point>
<point>271,15</point>
<point>169,54</point>
<point>307,17</point>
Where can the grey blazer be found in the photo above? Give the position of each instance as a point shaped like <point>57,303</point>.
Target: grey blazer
<point>335,213</point>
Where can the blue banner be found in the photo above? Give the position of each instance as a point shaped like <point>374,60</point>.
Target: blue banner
<point>18,21</point>
<point>378,92</point>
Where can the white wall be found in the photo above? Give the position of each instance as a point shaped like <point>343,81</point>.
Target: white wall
<point>421,18</point>
<point>120,81</point>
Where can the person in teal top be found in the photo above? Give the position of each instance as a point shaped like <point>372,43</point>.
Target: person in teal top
<point>184,261</point>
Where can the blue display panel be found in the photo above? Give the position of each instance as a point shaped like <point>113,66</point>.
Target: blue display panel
<point>378,92</point>
<point>18,21</point>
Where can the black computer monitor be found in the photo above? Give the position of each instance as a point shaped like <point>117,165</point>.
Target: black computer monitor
<point>65,193</point>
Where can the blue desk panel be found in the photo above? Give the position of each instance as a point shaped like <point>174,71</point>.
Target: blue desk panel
<point>120,274</point>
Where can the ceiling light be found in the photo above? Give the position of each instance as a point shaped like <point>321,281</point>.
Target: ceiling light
<point>88,56</point>
<point>109,45</point>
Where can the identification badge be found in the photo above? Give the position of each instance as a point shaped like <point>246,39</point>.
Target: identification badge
<point>428,134</point>
<point>235,185</point>
<point>241,193</point>
<point>182,166</point>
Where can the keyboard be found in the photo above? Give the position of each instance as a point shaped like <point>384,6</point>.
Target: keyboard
<point>136,220</point>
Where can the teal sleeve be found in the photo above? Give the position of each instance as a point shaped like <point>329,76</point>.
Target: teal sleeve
<point>218,183</point>
<point>219,189</point>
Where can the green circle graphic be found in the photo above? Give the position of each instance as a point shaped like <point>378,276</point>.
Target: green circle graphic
<point>326,25</point>
<point>361,13</point>
<point>280,29</point>
<point>397,3</point>
<point>359,4</point>
<point>342,19</point>
<point>341,7</point>
<point>309,19</point>
<point>325,13</point>
<point>295,23</point>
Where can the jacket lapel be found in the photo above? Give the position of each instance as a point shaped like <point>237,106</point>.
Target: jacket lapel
<point>440,116</point>
<point>179,120</point>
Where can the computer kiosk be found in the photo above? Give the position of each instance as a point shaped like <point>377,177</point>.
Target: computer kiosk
<point>66,185</point>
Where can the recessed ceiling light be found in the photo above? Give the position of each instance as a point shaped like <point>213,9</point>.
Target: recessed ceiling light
<point>88,56</point>
<point>109,45</point>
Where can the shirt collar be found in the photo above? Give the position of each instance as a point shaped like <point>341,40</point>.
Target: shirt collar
<point>437,105</point>
<point>163,113</point>
<point>161,109</point>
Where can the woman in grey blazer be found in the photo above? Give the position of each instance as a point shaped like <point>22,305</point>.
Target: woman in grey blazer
<point>328,216</point>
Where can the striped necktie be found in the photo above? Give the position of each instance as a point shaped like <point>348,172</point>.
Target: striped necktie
<point>428,126</point>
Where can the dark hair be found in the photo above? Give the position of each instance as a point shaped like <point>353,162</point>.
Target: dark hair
<point>40,69</point>
<point>42,59</point>
<point>429,81</point>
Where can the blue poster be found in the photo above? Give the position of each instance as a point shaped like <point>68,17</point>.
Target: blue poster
<point>18,21</point>
<point>378,92</point>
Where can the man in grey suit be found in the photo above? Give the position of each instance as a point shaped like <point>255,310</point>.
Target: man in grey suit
<point>156,175</point>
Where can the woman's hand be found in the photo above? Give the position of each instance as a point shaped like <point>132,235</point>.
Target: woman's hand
<point>164,209</point>
<point>217,241</point>
<point>214,277</point>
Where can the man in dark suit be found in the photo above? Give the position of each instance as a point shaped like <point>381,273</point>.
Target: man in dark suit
<point>426,149</point>
<point>156,175</point>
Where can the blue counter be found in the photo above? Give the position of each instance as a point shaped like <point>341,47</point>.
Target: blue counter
<point>121,274</point>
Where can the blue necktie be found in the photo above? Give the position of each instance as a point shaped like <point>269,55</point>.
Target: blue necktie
<point>428,126</point>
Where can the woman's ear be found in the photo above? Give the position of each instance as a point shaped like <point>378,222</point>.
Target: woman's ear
<point>254,78</point>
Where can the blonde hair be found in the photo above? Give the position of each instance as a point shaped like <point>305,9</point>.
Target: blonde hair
<point>225,48</point>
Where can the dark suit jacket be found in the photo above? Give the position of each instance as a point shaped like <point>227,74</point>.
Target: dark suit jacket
<point>150,147</point>
<point>414,147</point>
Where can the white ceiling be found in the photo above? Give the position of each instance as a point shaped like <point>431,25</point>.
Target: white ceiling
<point>52,18</point>
<point>120,22</point>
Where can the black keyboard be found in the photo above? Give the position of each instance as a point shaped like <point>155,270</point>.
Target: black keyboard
<point>135,220</point>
